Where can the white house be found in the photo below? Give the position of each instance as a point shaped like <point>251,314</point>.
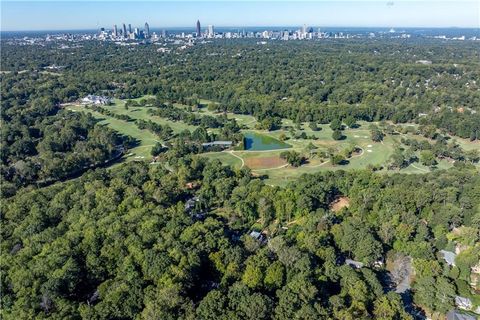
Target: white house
<point>97,100</point>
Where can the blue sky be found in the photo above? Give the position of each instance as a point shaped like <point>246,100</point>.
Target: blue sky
<point>70,15</point>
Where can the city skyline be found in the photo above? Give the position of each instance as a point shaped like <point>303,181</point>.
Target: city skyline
<point>72,15</point>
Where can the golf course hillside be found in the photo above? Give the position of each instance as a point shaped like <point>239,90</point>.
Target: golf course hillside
<point>290,149</point>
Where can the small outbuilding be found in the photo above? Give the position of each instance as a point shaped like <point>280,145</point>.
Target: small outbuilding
<point>353,263</point>
<point>260,237</point>
<point>217,144</point>
<point>190,204</point>
<point>448,256</point>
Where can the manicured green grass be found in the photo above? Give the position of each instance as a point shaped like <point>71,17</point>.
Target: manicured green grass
<point>467,144</point>
<point>419,168</point>
<point>225,157</point>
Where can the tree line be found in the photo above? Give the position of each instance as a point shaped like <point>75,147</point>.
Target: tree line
<point>369,80</point>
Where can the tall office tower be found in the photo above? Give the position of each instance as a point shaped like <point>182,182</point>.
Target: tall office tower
<point>124,30</point>
<point>199,32</point>
<point>211,31</point>
<point>115,31</point>
<point>147,30</point>
<point>304,30</point>
<point>129,28</point>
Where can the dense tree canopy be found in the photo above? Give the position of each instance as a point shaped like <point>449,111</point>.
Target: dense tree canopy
<point>122,244</point>
<point>40,142</point>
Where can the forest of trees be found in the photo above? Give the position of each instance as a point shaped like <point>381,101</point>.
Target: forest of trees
<point>121,244</point>
<point>40,142</point>
<point>176,239</point>
<point>314,81</point>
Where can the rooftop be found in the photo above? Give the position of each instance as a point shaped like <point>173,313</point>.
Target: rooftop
<point>457,315</point>
<point>217,143</point>
<point>353,263</point>
<point>448,256</point>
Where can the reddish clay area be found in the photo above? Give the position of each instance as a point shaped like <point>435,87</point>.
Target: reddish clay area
<point>339,204</point>
<point>264,163</point>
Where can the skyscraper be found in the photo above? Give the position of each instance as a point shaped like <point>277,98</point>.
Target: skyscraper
<point>129,28</point>
<point>115,31</point>
<point>124,30</point>
<point>199,31</point>
<point>304,31</point>
<point>211,31</point>
<point>147,30</point>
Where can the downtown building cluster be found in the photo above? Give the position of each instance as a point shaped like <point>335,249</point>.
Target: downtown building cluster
<point>125,33</point>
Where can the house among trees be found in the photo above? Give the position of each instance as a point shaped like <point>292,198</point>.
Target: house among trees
<point>54,67</point>
<point>353,263</point>
<point>260,237</point>
<point>97,100</point>
<point>190,204</point>
<point>448,256</point>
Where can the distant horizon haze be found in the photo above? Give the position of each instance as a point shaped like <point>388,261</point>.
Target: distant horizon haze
<point>24,16</point>
<point>247,28</point>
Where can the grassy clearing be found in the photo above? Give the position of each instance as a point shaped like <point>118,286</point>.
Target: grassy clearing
<point>467,144</point>
<point>225,157</point>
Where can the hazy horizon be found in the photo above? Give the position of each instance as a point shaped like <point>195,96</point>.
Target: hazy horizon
<point>220,28</point>
<point>24,16</point>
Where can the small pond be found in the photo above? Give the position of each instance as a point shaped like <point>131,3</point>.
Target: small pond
<point>259,142</point>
